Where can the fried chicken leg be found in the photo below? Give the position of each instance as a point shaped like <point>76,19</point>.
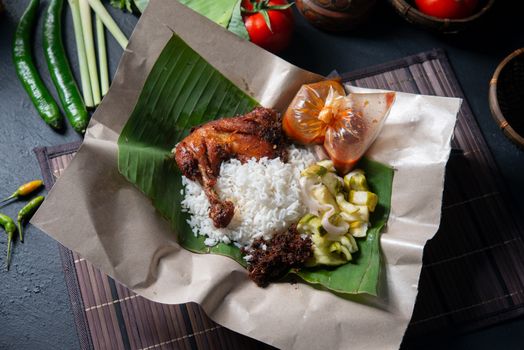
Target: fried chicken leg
<point>256,134</point>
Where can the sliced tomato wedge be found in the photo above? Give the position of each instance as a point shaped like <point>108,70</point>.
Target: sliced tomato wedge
<point>321,113</point>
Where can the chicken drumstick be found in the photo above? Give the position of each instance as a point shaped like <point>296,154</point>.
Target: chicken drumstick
<point>256,134</point>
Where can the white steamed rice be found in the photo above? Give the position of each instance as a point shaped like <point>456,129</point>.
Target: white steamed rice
<point>266,194</point>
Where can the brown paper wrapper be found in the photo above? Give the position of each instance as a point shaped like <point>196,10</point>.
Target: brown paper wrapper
<point>93,210</point>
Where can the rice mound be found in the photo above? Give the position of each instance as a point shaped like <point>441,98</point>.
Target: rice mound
<point>266,194</point>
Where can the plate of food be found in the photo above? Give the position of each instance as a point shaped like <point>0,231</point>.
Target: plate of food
<point>249,185</point>
<point>279,192</point>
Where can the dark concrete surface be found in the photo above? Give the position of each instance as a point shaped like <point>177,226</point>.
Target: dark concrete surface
<point>34,305</point>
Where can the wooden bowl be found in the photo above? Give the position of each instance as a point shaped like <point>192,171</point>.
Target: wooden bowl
<point>506,96</point>
<point>335,15</point>
<point>411,14</point>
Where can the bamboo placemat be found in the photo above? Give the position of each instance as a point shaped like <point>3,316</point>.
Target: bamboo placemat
<point>473,273</point>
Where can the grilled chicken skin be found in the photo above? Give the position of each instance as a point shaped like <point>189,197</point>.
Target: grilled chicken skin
<point>256,134</point>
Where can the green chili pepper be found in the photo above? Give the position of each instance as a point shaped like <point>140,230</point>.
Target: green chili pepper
<point>26,212</point>
<point>10,228</point>
<point>25,189</point>
<point>26,70</point>
<point>74,107</point>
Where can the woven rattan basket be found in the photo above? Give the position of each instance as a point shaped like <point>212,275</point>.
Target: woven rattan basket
<point>506,96</point>
<point>407,10</point>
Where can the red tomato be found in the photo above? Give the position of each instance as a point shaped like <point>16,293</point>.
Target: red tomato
<point>447,8</point>
<point>278,37</point>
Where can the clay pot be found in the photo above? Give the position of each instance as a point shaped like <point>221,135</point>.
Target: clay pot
<point>335,15</point>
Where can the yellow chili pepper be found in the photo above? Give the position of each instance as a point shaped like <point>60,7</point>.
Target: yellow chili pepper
<point>25,189</point>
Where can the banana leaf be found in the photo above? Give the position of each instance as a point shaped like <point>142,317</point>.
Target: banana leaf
<point>219,11</point>
<point>236,25</point>
<point>182,91</point>
<point>223,12</point>
<point>141,5</point>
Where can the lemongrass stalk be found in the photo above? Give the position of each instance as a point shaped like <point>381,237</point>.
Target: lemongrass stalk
<point>81,53</point>
<point>108,21</point>
<point>87,26</point>
<point>102,56</point>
